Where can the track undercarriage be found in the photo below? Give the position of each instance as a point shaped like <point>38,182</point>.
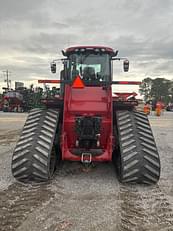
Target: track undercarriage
<point>136,157</point>
<point>34,158</point>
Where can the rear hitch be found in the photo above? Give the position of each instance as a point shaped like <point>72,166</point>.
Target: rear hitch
<point>86,158</point>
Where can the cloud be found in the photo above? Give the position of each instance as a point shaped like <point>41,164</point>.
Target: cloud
<point>19,9</point>
<point>34,32</point>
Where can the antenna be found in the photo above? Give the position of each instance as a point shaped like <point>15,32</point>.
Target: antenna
<point>7,80</point>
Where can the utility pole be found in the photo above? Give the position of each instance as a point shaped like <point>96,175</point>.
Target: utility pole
<point>7,80</point>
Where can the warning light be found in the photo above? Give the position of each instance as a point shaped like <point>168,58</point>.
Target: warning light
<point>78,83</point>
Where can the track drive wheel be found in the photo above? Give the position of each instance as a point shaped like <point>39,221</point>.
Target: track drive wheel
<point>138,159</point>
<point>34,157</point>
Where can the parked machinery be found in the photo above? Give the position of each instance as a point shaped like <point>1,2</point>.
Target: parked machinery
<point>86,123</point>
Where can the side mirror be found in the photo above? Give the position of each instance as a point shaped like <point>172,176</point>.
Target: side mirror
<point>53,67</point>
<point>126,65</point>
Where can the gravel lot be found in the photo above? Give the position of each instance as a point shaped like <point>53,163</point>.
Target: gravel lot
<point>81,200</point>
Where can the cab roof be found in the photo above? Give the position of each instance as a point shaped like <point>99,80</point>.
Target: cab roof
<point>103,49</point>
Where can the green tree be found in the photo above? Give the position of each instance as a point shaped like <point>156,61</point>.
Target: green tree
<point>160,89</point>
<point>157,89</point>
<point>145,88</point>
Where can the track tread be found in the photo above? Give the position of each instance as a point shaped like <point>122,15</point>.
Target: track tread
<point>139,159</point>
<point>31,157</point>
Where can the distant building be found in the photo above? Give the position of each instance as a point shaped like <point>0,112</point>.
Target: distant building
<point>19,85</point>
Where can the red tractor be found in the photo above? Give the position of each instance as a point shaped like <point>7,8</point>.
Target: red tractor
<point>86,123</point>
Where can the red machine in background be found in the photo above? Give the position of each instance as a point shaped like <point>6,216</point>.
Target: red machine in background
<point>12,101</point>
<point>23,99</point>
<point>86,123</point>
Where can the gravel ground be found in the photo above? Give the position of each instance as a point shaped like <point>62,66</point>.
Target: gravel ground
<point>87,200</point>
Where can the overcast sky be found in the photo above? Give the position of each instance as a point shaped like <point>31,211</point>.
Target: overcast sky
<point>33,32</point>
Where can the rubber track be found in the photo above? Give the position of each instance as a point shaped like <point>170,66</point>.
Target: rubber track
<point>139,158</point>
<point>31,157</point>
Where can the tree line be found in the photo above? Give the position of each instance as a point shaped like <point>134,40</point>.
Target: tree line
<point>159,89</point>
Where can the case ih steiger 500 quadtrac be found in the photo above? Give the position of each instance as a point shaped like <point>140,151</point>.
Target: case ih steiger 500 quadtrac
<point>86,123</point>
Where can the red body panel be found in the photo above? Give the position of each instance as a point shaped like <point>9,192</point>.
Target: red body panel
<point>88,101</point>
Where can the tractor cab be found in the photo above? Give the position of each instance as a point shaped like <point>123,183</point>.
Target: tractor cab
<point>92,64</point>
